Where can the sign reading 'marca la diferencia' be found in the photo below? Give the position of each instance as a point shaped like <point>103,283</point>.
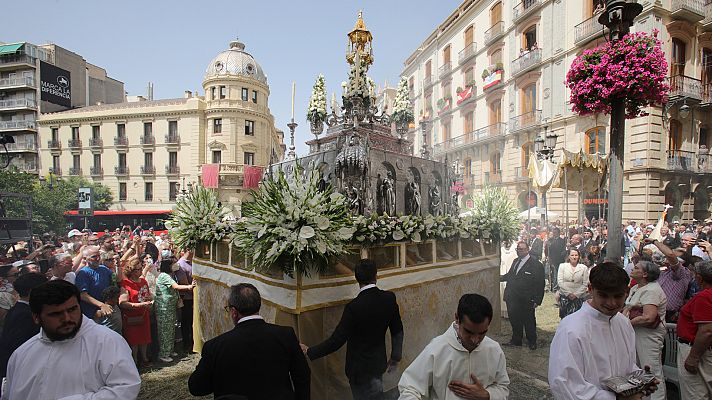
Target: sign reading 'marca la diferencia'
<point>56,85</point>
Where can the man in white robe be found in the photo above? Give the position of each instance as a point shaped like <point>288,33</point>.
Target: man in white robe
<point>72,358</point>
<point>460,363</point>
<point>596,342</point>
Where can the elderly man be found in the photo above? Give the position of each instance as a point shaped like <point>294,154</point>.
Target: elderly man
<point>84,360</point>
<point>61,267</point>
<point>91,281</point>
<point>675,280</point>
<point>694,332</point>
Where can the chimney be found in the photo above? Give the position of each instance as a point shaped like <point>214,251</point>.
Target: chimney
<point>187,94</point>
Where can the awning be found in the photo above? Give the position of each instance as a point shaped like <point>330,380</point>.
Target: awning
<point>10,48</point>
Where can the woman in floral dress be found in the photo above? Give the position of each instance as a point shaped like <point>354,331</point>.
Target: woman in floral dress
<point>166,305</point>
<point>135,302</point>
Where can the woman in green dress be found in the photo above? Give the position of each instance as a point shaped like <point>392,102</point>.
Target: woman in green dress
<point>165,305</point>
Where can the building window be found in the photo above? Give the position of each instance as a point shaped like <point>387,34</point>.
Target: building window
<point>446,132</point>
<point>707,70</point>
<point>172,191</point>
<point>446,55</point>
<point>447,90</point>
<point>76,161</point>
<point>496,163</point>
<point>223,92</point>
<point>468,123</point>
<point>122,161</point>
<point>148,160</point>
<point>172,128</point>
<point>122,191</point>
<point>55,134</point>
<point>596,140</point>
<point>677,65</point>
<point>148,195</point>
<point>529,101</point>
<point>55,163</point>
<point>496,57</point>
<point>245,92</point>
<point>495,112</point>
<point>411,84</point>
<point>249,159</point>
<point>217,125</point>
<point>254,96</point>
<point>95,132</point>
<point>249,127</point>
<point>529,39</point>
<point>172,159</point>
<point>469,79</point>
<point>675,138</point>
<point>469,35</point>
<point>97,161</point>
<point>148,129</point>
<point>496,13</point>
<point>121,130</point>
<point>468,168</point>
<point>75,133</point>
<point>217,155</point>
<point>213,93</point>
<point>428,69</point>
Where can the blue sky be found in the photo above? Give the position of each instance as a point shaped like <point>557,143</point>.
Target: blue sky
<point>170,43</point>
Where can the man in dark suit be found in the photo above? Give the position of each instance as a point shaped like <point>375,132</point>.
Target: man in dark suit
<point>19,325</point>
<point>257,360</point>
<point>524,292</point>
<point>363,326</point>
<point>555,255</point>
<point>536,245</point>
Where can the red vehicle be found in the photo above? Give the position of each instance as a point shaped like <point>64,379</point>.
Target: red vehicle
<point>111,220</point>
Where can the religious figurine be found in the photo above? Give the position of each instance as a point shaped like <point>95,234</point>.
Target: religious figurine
<point>434,192</point>
<point>354,199</point>
<point>412,196</point>
<point>389,195</point>
<point>454,207</point>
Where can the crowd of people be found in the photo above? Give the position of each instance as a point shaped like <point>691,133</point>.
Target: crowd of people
<point>133,281</point>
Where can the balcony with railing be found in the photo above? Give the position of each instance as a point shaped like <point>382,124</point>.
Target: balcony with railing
<point>467,53</point>
<point>707,22</point>
<point>96,143</point>
<point>525,8</point>
<point>29,167</point>
<point>13,104</point>
<point>428,81</point>
<point>74,171</point>
<point>54,145</point>
<point>588,30</point>
<point>9,60</point>
<point>21,146</point>
<point>526,61</point>
<point>96,171</point>
<point>493,177</point>
<point>494,33</point>
<point>18,126</point>
<point>121,141</point>
<point>679,160</point>
<point>172,138</point>
<point>521,174</point>
<point>148,140</point>
<point>444,70</point>
<point>528,120</point>
<point>26,82</point>
<point>56,171</point>
<point>74,144</point>
<point>148,170</point>
<point>688,10</point>
<point>470,138</point>
<point>121,170</point>
<point>172,170</point>
<point>685,86</point>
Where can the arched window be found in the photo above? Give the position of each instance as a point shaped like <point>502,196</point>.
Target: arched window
<point>496,163</point>
<point>677,64</point>
<point>529,38</point>
<point>595,140</point>
<point>529,99</point>
<point>446,55</point>
<point>496,13</point>
<point>468,169</point>
<point>469,35</point>
<point>675,137</point>
<point>527,150</point>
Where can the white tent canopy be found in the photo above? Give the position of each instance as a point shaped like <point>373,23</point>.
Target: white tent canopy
<point>536,212</point>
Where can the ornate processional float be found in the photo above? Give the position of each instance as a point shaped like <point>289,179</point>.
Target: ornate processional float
<point>359,193</point>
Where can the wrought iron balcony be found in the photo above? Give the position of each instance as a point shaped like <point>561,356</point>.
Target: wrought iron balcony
<point>588,30</point>
<point>685,86</point>
<point>526,61</point>
<point>121,170</point>
<point>54,145</point>
<point>521,174</point>
<point>428,81</point>
<point>524,8</point>
<point>707,22</point>
<point>17,103</point>
<point>444,70</point>
<point>96,142</point>
<point>121,141</point>
<point>493,177</point>
<point>17,59</point>
<point>56,171</point>
<point>21,146</point>
<point>494,33</point>
<point>75,171</point>
<point>689,10</point>
<point>467,53</point>
<point>148,140</point>
<point>29,167</point>
<point>678,160</point>
<point>17,125</point>
<point>28,82</point>
<point>470,138</point>
<point>148,170</point>
<point>74,144</point>
<point>96,171</point>
<point>172,170</point>
<point>172,138</point>
<point>525,121</point>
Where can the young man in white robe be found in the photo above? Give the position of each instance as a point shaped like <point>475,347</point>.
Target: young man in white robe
<point>72,357</point>
<point>462,363</point>
<point>596,342</point>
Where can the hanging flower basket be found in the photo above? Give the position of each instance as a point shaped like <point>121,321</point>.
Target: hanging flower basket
<point>633,68</point>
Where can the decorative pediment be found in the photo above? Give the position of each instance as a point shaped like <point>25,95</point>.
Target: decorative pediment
<point>215,145</point>
<point>682,29</point>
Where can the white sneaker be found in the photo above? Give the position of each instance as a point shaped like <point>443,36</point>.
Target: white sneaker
<point>166,359</point>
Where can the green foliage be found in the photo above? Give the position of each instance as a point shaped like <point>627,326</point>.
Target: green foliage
<point>494,215</point>
<point>198,216</point>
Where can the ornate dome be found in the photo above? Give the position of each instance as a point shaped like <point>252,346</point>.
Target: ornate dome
<point>235,61</point>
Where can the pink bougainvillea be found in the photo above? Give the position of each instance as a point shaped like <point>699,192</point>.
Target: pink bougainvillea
<point>633,68</point>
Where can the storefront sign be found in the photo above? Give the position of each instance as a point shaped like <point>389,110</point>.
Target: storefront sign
<point>595,200</point>
<point>56,85</point>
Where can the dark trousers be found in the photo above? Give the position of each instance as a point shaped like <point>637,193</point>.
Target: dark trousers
<point>553,277</point>
<point>366,388</point>
<point>522,319</point>
<point>186,325</point>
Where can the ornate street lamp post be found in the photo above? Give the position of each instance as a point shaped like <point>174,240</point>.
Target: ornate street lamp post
<point>424,152</point>
<point>618,17</point>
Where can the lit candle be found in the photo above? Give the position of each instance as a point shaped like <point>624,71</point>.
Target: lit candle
<point>294,88</point>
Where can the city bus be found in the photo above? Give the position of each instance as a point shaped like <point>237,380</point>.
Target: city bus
<point>111,220</point>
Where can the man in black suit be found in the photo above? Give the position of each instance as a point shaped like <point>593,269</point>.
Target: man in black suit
<point>524,292</point>
<point>537,245</point>
<point>363,326</point>
<point>19,325</point>
<point>555,255</point>
<point>257,360</point>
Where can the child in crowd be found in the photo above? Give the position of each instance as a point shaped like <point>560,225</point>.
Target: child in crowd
<point>113,320</point>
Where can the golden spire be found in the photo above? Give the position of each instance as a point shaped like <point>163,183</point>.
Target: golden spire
<point>360,41</point>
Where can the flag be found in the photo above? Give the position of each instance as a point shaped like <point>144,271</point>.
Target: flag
<point>210,175</point>
<point>252,177</point>
<point>464,95</point>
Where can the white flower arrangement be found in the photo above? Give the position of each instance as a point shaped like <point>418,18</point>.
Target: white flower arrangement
<point>493,215</point>
<point>358,87</point>
<point>402,109</point>
<point>293,225</point>
<point>316,112</point>
<point>198,216</point>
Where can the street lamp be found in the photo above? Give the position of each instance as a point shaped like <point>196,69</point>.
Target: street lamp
<point>618,18</point>
<point>544,146</point>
